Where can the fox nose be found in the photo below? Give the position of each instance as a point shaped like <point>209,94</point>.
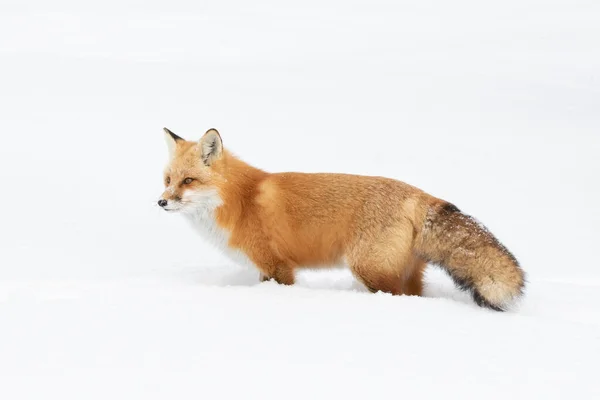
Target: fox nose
<point>162,203</point>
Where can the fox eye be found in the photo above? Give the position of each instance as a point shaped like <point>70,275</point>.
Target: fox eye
<point>187,181</point>
<point>168,180</point>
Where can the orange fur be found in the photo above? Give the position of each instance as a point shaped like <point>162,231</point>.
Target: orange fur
<point>383,229</point>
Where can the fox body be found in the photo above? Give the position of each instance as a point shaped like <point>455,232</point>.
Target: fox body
<point>384,230</point>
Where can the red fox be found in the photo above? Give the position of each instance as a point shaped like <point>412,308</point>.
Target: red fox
<point>384,230</point>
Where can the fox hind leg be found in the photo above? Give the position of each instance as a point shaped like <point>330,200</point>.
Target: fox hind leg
<point>384,260</point>
<point>413,285</point>
<point>389,279</point>
<point>381,264</point>
<point>376,281</point>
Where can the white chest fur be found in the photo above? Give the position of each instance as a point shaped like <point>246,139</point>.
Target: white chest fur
<point>202,218</point>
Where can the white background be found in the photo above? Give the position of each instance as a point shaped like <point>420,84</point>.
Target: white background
<point>494,106</point>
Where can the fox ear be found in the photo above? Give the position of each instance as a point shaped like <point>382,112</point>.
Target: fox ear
<point>211,146</point>
<point>171,140</point>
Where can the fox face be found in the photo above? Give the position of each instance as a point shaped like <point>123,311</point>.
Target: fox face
<point>189,179</point>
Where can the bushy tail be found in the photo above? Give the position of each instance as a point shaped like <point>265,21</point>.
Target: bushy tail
<point>472,256</point>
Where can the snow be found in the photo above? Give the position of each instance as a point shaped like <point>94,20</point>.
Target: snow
<point>103,295</point>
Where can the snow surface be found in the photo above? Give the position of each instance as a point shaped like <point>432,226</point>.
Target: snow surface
<point>491,105</point>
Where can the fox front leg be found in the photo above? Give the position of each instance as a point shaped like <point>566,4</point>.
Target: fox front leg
<point>272,268</point>
<point>283,276</point>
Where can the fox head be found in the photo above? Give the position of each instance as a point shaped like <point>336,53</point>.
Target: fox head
<point>190,178</point>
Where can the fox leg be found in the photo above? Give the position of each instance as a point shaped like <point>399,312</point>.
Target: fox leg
<point>378,273</point>
<point>271,267</point>
<point>281,275</point>
<point>376,281</point>
<point>284,276</point>
<point>413,285</point>
<point>382,264</point>
<point>280,272</point>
